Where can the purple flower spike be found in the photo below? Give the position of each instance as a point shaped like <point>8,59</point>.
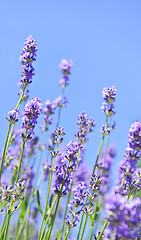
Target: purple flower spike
<point>31,112</point>
<point>28,55</point>
<point>109,94</point>
<point>66,66</point>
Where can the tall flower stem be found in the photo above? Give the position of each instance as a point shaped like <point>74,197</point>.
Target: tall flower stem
<point>46,206</point>
<point>8,138</point>
<point>99,151</point>
<point>60,109</point>
<point>46,222</point>
<point>101,233</point>
<point>122,184</point>
<point>5,225</point>
<point>98,156</point>
<point>4,151</point>
<point>54,216</point>
<point>20,161</point>
<point>19,102</point>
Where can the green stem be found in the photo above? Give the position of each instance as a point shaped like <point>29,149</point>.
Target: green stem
<point>99,151</point>
<point>67,233</point>
<point>84,227</point>
<point>2,230</point>
<point>7,226</point>
<point>46,206</point>
<point>101,233</point>
<point>122,184</point>
<point>4,151</point>
<point>19,102</point>
<point>60,108</point>
<point>54,216</point>
<point>46,222</point>
<point>20,161</point>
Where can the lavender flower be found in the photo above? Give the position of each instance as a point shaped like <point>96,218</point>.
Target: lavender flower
<point>65,67</point>
<point>28,55</point>
<point>108,108</point>
<point>109,94</point>
<point>76,205</point>
<point>124,217</point>
<point>85,126</point>
<point>31,112</point>
<point>13,116</point>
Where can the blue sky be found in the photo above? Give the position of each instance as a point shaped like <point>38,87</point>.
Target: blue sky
<point>103,38</point>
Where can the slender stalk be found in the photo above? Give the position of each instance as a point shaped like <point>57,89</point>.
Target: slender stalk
<point>7,226</point>
<point>98,156</point>
<point>54,216</point>
<point>84,227</point>
<point>19,102</point>
<point>46,206</point>
<point>60,109</point>
<point>46,222</point>
<point>2,230</point>
<point>122,184</point>
<point>4,151</point>
<point>101,233</point>
<point>67,233</point>
<point>20,161</point>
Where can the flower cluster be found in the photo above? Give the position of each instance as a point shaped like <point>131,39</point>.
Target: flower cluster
<point>31,112</point>
<point>128,169</point>
<point>85,126</point>
<point>108,108</point>
<point>9,195</point>
<point>65,67</point>
<point>74,195</point>
<point>13,116</point>
<point>76,205</point>
<point>28,55</point>
<point>124,217</point>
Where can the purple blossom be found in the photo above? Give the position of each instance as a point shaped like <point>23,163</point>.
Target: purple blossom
<point>63,180</point>
<point>13,116</point>
<point>134,136</point>
<point>109,94</point>
<point>124,217</point>
<point>66,66</point>
<point>28,55</point>
<point>77,204</point>
<point>31,112</point>
<point>85,126</point>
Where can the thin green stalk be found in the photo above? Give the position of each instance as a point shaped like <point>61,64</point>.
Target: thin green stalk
<point>7,226</point>
<point>46,222</point>
<point>3,229</point>
<point>60,108</point>
<point>67,233</point>
<point>46,206</point>
<point>4,151</point>
<point>28,210</point>
<point>83,229</point>
<point>39,161</point>
<point>99,151</point>
<point>94,218</point>
<point>122,184</point>
<point>101,233</point>
<point>54,216</point>
<point>17,178</point>
<point>19,102</point>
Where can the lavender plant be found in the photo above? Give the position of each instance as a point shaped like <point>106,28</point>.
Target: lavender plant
<point>49,192</point>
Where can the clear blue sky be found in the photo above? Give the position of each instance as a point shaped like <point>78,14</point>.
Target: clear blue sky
<point>103,38</point>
